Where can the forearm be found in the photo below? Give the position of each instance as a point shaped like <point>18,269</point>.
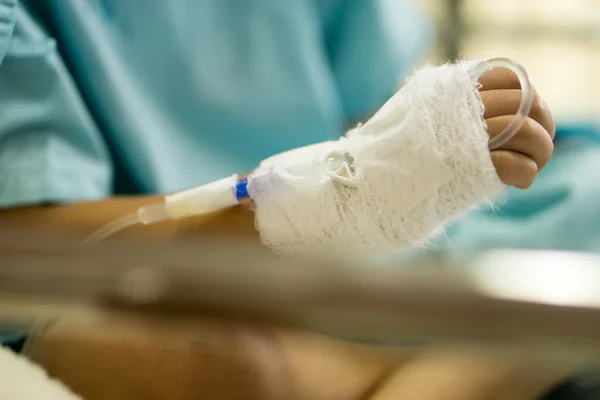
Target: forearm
<point>275,364</point>
<point>86,217</point>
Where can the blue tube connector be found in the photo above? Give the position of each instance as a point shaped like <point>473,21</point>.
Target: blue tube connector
<point>241,190</point>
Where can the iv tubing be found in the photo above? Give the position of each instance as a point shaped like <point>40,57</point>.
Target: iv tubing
<point>199,200</point>
<point>526,99</point>
<point>145,215</point>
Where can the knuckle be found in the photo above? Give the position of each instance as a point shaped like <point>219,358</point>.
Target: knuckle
<point>528,129</point>
<point>539,140</point>
<point>537,108</point>
<point>542,114</point>
<point>513,80</point>
<point>509,79</point>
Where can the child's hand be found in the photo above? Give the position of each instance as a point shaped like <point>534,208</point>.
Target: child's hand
<point>520,159</point>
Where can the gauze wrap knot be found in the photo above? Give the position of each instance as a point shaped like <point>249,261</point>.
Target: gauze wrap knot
<point>422,159</point>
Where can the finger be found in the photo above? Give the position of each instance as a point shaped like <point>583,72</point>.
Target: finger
<point>499,78</point>
<point>506,102</point>
<point>514,169</point>
<point>532,140</point>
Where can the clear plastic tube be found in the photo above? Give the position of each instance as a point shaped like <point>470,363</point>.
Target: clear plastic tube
<point>145,215</point>
<point>203,199</point>
<point>111,228</point>
<point>526,99</point>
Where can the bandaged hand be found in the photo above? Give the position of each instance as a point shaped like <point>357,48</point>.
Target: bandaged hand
<point>520,159</point>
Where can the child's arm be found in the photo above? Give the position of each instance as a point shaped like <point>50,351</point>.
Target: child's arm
<point>517,163</point>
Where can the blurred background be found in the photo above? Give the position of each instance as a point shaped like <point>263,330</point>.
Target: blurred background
<point>558,41</point>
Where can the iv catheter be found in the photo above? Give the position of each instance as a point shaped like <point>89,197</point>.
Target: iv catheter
<point>231,191</point>
<point>200,200</point>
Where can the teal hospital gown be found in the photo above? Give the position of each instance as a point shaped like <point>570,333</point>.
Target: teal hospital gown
<point>99,97</point>
<point>103,97</point>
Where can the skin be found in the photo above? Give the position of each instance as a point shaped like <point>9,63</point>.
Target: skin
<point>519,160</point>
<point>308,366</point>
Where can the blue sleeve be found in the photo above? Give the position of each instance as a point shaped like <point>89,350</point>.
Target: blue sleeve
<point>8,16</point>
<point>372,45</point>
<point>13,341</point>
<point>50,147</point>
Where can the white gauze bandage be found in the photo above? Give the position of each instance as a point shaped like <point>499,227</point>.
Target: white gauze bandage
<point>422,159</point>
<point>20,379</point>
